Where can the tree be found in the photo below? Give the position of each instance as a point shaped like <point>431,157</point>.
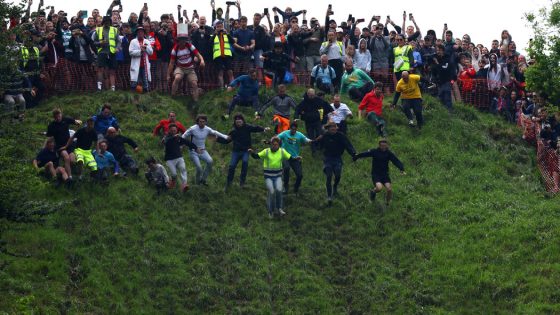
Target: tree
<point>9,55</point>
<point>544,76</point>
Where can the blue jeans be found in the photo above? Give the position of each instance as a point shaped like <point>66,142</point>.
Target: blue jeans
<point>236,156</point>
<point>444,95</point>
<point>201,173</point>
<point>274,197</point>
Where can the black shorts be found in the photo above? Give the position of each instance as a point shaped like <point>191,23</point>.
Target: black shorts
<point>223,63</point>
<point>333,165</point>
<point>383,178</point>
<point>107,61</point>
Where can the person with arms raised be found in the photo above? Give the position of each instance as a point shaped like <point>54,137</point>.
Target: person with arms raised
<point>334,144</point>
<point>197,134</point>
<point>380,168</point>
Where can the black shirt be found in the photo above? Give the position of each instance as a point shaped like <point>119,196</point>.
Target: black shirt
<point>173,146</point>
<point>59,131</point>
<point>309,108</point>
<point>260,37</point>
<point>241,136</point>
<point>380,161</point>
<point>116,145</point>
<point>333,145</point>
<point>45,156</point>
<point>85,138</point>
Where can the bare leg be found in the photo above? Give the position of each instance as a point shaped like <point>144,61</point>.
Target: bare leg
<point>194,87</point>
<point>176,82</point>
<point>389,195</point>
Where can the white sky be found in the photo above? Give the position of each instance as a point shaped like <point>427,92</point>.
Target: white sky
<point>483,20</point>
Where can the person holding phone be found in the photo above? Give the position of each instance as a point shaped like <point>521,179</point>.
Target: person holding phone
<point>335,52</point>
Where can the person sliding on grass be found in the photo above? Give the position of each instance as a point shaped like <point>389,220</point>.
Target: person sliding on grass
<point>333,144</point>
<point>408,88</point>
<point>380,168</point>
<point>174,157</point>
<point>156,175</point>
<point>292,140</point>
<point>198,134</point>
<point>371,108</point>
<point>272,163</point>
<point>247,93</point>
<point>48,158</point>
<point>86,137</point>
<point>282,105</point>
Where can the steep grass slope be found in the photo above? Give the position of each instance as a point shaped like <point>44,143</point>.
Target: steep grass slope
<point>469,231</point>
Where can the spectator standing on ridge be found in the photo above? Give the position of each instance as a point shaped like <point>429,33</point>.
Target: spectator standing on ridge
<point>335,52</point>
<point>108,41</point>
<point>222,54</point>
<point>140,49</point>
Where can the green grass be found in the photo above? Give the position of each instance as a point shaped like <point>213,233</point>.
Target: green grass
<point>470,230</point>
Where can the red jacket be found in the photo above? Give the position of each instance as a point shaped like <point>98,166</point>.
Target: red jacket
<point>164,123</point>
<point>466,76</point>
<point>156,45</point>
<point>372,103</point>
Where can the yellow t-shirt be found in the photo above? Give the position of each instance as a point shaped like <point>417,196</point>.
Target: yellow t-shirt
<point>409,90</point>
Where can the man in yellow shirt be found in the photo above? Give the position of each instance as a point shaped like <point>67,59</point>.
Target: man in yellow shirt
<point>409,90</point>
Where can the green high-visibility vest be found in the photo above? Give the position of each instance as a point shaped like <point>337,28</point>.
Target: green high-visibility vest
<point>402,53</point>
<point>25,55</point>
<point>113,33</point>
<point>218,49</point>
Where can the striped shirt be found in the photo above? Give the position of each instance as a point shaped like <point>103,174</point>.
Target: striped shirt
<point>184,57</point>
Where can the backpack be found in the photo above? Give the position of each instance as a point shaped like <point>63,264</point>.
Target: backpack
<point>316,72</point>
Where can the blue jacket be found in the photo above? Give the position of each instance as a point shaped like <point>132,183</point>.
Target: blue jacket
<point>106,160</point>
<point>247,86</point>
<point>102,124</point>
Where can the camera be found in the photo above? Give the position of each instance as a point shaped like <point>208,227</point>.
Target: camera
<point>265,11</point>
<point>230,3</point>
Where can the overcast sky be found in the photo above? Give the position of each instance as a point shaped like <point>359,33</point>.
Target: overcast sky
<point>483,20</point>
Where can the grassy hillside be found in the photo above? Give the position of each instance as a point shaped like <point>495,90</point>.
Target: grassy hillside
<point>470,229</point>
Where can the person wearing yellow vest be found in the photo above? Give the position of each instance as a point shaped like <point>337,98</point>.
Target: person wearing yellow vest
<point>335,52</point>
<point>31,68</point>
<point>108,42</point>
<point>272,164</point>
<point>222,54</point>
<point>402,55</point>
<point>409,90</point>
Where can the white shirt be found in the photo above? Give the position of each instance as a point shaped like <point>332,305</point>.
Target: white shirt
<point>339,114</point>
<point>199,135</point>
